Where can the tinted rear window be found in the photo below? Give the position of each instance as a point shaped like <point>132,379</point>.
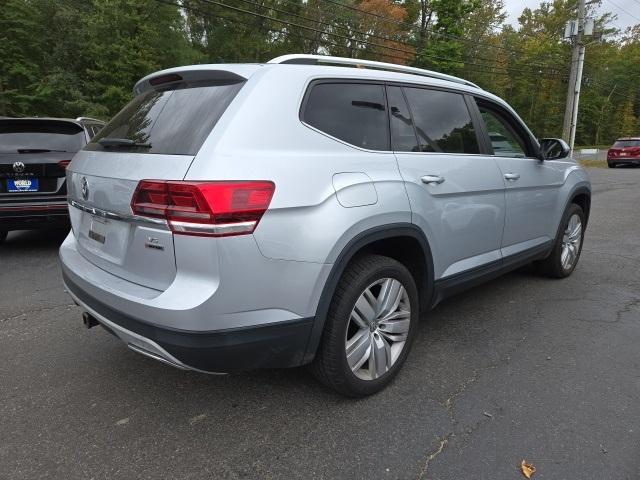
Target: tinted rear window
<point>24,135</point>
<point>172,121</point>
<point>443,122</point>
<point>353,112</point>
<point>626,143</point>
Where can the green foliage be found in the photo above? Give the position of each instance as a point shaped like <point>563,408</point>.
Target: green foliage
<point>82,57</point>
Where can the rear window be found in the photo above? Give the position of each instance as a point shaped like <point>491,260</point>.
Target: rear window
<point>173,122</point>
<point>626,143</point>
<point>353,112</point>
<point>18,135</point>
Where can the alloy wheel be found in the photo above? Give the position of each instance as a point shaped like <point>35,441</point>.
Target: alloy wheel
<point>571,242</point>
<point>378,328</point>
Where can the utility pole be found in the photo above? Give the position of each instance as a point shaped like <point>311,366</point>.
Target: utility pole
<point>576,30</point>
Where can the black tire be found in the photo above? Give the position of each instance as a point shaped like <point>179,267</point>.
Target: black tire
<point>330,364</point>
<point>552,265</point>
<point>611,165</point>
<point>3,236</point>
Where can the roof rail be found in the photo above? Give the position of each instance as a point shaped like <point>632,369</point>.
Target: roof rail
<point>301,59</point>
<point>88,119</point>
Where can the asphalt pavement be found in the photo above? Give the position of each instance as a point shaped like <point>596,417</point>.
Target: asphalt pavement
<point>520,368</point>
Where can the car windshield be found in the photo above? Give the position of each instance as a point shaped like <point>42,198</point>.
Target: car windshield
<point>626,143</point>
<point>22,136</point>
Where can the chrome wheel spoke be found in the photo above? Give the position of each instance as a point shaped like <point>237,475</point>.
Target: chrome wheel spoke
<point>576,232</point>
<point>365,306</point>
<point>398,324</point>
<point>380,359</point>
<point>359,349</point>
<point>359,320</point>
<point>389,297</point>
<point>564,257</point>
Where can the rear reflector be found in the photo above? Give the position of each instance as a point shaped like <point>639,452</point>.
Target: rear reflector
<point>213,209</point>
<point>63,164</point>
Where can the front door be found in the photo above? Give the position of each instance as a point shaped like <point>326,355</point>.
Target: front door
<point>531,185</point>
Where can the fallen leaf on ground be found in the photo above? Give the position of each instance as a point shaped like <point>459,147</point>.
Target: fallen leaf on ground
<point>527,469</point>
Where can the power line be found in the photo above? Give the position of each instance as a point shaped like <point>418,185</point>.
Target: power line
<point>431,31</point>
<point>320,22</point>
<point>274,30</point>
<point>494,69</point>
<point>535,67</point>
<point>297,25</point>
<point>596,83</point>
<point>623,10</point>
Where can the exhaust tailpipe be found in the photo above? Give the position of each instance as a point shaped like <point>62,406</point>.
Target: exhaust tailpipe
<point>89,320</point>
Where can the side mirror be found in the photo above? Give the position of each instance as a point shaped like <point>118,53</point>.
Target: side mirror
<point>554,148</point>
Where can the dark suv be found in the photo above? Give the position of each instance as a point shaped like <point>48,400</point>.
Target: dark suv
<point>34,154</point>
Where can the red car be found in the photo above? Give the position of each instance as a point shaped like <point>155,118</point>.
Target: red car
<point>625,151</point>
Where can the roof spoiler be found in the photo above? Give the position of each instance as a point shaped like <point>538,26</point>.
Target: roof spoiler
<point>196,74</point>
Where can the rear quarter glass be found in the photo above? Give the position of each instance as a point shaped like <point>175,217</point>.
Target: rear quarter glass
<point>172,121</point>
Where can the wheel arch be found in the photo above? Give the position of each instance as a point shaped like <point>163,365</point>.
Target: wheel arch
<point>581,196</point>
<point>383,240</point>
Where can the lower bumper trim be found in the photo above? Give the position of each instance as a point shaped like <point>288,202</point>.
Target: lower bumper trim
<point>275,345</point>
<point>33,208</point>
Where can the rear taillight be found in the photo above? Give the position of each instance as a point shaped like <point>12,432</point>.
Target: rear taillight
<point>215,209</point>
<point>63,164</point>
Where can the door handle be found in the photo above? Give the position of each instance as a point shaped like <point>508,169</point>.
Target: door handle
<point>511,176</point>
<point>432,179</point>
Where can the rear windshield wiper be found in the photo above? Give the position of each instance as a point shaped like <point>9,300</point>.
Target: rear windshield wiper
<point>109,142</point>
<point>37,150</point>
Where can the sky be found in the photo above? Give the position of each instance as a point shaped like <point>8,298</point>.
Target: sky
<point>514,9</point>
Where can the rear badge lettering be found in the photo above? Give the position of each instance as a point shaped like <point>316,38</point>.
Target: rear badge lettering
<point>153,243</point>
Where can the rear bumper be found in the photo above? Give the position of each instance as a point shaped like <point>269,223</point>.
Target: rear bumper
<point>623,161</point>
<point>249,312</point>
<point>18,215</point>
<point>277,345</point>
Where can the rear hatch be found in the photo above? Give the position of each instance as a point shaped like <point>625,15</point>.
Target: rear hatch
<point>34,154</point>
<point>625,149</point>
<point>156,136</point>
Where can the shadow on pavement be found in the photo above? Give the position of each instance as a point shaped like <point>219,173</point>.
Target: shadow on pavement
<point>40,240</point>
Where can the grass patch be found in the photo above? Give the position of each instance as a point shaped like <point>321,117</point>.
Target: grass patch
<point>592,163</point>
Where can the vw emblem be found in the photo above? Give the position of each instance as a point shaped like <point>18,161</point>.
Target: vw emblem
<point>85,188</point>
<point>18,167</point>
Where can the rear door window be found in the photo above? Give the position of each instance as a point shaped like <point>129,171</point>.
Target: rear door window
<point>442,120</point>
<point>168,121</point>
<point>25,135</point>
<point>353,112</point>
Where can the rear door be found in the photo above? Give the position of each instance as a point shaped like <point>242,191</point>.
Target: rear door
<point>531,185</point>
<point>156,136</point>
<point>456,193</point>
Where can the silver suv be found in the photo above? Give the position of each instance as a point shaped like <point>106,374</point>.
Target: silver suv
<point>234,217</point>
